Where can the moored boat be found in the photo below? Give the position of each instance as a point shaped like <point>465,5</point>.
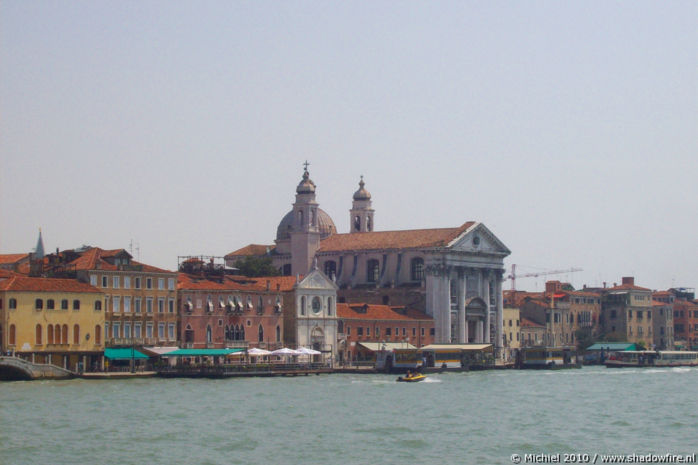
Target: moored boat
<point>548,358</point>
<point>652,358</point>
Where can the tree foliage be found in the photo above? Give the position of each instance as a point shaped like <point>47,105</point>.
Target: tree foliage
<point>256,266</point>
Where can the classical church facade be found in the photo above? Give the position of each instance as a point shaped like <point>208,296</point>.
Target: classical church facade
<point>453,274</point>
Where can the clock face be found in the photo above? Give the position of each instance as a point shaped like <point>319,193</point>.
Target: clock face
<point>317,306</point>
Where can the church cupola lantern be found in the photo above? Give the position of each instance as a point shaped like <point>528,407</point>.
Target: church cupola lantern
<point>361,213</point>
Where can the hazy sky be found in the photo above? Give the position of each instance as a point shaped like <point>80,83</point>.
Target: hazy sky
<point>570,129</point>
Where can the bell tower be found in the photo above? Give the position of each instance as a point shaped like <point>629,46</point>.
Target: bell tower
<point>305,235</point>
<point>361,213</point>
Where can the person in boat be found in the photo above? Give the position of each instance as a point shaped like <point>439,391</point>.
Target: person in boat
<point>409,374</point>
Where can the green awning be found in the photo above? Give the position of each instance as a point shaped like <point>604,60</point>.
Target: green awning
<point>123,353</point>
<point>613,346</point>
<point>201,352</point>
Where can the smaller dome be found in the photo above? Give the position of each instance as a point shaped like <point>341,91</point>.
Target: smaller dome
<point>362,194</point>
<point>306,186</point>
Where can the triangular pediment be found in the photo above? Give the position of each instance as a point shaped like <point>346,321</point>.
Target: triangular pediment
<point>478,238</point>
<point>316,279</point>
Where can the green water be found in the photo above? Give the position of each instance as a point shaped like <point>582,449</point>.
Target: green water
<point>463,418</point>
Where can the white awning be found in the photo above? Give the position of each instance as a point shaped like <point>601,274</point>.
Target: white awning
<point>376,346</point>
<point>456,347</point>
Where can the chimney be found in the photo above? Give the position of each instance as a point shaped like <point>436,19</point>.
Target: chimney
<point>630,280</point>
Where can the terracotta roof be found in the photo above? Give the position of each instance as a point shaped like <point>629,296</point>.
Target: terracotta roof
<point>526,322</point>
<point>377,312</point>
<point>12,258</point>
<point>628,287</point>
<point>583,293</point>
<point>408,239</point>
<point>26,284</point>
<point>91,258</point>
<point>657,303</point>
<point>235,283</point>
<point>252,249</point>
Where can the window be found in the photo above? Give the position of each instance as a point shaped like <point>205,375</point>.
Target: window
<point>76,334</point>
<point>359,331</point>
<point>171,332</point>
<point>348,330</point>
<point>170,284</point>
<point>38,304</point>
<point>149,330</point>
<point>137,305</point>
<point>422,331</point>
<point>115,330</point>
<point>115,282</point>
<point>38,335</point>
<point>116,304</point>
<point>127,282</point>
<point>404,332</point>
<point>93,280</point>
<point>414,332</point>
<point>12,335</point>
<point>377,332</point>
<point>127,304</point>
<point>432,331</point>
<point>388,331</point>
<point>149,305</point>
<point>105,282</point>
<point>303,305</point>
<point>372,270</point>
<point>13,303</point>
<point>127,330</point>
<point>329,306</point>
<point>417,269</point>
<point>64,304</point>
<point>317,305</point>
<point>278,333</point>
<point>148,283</point>
<point>50,304</point>
<point>170,305</point>
<point>49,334</point>
<point>137,330</point>
<point>76,304</point>
<point>161,305</point>
<point>161,331</point>
<point>161,283</point>
<point>260,333</point>
<point>331,269</point>
<point>137,283</point>
<point>98,305</point>
<point>98,334</point>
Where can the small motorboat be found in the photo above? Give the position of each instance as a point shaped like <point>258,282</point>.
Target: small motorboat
<point>413,378</point>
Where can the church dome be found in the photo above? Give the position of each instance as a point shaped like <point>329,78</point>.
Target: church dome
<point>362,194</point>
<point>325,225</point>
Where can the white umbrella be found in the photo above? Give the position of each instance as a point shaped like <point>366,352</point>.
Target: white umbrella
<point>285,351</point>
<point>255,351</point>
<point>306,351</point>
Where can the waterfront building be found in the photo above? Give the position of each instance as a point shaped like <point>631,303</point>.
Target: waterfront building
<point>452,274</point>
<point>663,320</point>
<point>532,333</point>
<point>512,332</point>
<point>55,321</point>
<point>222,310</point>
<point>363,327</point>
<point>686,323</point>
<point>627,312</point>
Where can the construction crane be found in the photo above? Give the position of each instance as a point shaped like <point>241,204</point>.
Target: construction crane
<point>513,274</point>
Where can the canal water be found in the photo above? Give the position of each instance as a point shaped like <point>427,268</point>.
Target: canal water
<point>451,418</point>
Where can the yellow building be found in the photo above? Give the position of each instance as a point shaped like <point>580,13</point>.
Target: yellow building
<point>511,332</point>
<point>56,321</point>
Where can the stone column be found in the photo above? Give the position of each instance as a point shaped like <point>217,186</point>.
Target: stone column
<point>500,310</point>
<point>439,301</point>
<point>462,323</point>
<point>486,294</point>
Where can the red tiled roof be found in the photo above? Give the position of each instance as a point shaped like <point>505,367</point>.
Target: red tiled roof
<point>9,258</point>
<point>235,283</point>
<point>533,324</point>
<point>26,284</point>
<point>408,239</point>
<point>252,249</point>
<point>377,312</point>
<point>90,259</point>
<point>628,287</point>
<point>583,293</point>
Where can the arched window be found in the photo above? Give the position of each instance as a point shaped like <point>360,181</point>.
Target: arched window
<point>12,335</point>
<point>300,218</point>
<point>242,333</point>
<point>331,269</point>
<point>38,335</point>
<point>357,223</point>
<point>98,334</point>
<point>368,223</point>
<point>417,269</point>
<point>329,306</point>
<point>317,305</point>
<point>38,304</point>
<point>261,304</point>
<point>303,305</point>
<point>64,336</point>
<point>340,326</point>
<point>209,335</point>
<point>13,303</point>
<point>49,334</point>
<point>57,334</point>
<point>260,333</point>
<point>278,333</point>
<point>76,334</point>
<point>372,270</point>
